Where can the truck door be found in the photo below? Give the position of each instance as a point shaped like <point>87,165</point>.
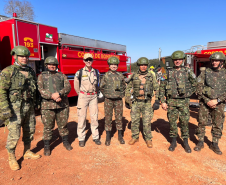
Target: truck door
<point>27,35</point>
<point>48,39</point>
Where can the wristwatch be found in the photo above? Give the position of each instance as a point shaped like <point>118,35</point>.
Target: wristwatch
<point>60,94</point>
<point>218,100</point>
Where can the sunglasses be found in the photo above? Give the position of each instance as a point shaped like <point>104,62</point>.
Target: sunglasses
<point>88,59</point>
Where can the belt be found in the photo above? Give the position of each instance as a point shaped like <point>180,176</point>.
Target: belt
<point>87,93</point>
<point>143,100</point>
<point>114,99</point>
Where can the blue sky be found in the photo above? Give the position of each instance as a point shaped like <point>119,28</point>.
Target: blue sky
<point>143,26</point>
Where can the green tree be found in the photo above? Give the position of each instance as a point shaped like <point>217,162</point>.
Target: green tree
<point>134,67</point>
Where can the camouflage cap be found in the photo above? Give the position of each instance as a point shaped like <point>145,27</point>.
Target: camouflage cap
<point>142,60</point>
<point>178,55</point>
<point>51,60</point>
<point>87,55</point>
<point>113,60</point>
<point>21,51</point>
<point>217,56</point>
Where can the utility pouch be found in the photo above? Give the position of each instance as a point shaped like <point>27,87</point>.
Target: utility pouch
<point>14,96</point>
<point>117,85</point>
<point>181,89</point>
<point>168,90</point>
<point>207,91</point>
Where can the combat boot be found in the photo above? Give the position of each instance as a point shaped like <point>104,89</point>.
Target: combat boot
<point>28,154</point>
<point>133,141</point>
<point>186,146</point>
<point>215,148</point>
<point>149,143</point>
<point>199,146</point>
<point>46,148</point>
<point>108,138</point>
<point>66,143</point>
<point>13,164</point>
<point>173,144</point>
<point>120,137</point>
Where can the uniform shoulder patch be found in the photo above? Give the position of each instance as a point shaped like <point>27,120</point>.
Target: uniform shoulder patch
<point>8,71</point>
<point>77,73</point>
<point>164,77</point>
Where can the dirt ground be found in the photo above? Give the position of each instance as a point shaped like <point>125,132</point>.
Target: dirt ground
<point>117,164</point>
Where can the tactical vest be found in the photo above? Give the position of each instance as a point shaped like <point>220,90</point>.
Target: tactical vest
<point>147,87</point>
<point>215,83</point>
<point>53,84</point>
<point>22,87</point>
<point>179,86</point>
<point>113,87</point>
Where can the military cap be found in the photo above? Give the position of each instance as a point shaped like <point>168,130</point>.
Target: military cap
<point>87,55</point>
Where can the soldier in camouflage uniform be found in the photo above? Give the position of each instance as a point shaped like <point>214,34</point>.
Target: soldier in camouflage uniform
<point>17,101</point>
<point>113,88</point>
<point>211,90</point>
<point>143,83</point>
<point>54,88</point>
<point>177,88</point>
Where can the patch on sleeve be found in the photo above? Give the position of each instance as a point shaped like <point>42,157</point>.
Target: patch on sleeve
<point>164,77</point>
<point>77,73</point>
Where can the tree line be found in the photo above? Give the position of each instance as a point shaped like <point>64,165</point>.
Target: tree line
<point>134,67</point>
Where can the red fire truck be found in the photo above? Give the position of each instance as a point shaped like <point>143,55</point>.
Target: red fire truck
<point>43,41</point>
<point>198,56</point>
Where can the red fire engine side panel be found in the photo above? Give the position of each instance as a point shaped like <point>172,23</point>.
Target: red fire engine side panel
<point>211,51</point>
<point>72,92</point>
<point>71,61</point>
<point>27,34</point>
<point>6,42</point>
<point>48,34</point>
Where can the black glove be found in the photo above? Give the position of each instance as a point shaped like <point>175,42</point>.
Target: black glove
<point>156,105</point>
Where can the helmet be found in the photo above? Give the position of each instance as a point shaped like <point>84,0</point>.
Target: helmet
<point>51,60</point>
<point>113,60</point>
<point>20,50</point>
<point>217,56</point>
<point>152,67</point>
<point>178,55</point>
<point>142,60</point>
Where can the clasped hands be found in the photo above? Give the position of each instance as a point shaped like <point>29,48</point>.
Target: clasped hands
<point>56,97</point>
<point>212,103</point>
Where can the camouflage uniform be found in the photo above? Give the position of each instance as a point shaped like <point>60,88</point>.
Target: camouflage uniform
<point>19,85</point>
<point>113,88</point>
<point>211,85</point>
<point>51,110</point>
<point>177,88</point>
<point>143,84</point>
